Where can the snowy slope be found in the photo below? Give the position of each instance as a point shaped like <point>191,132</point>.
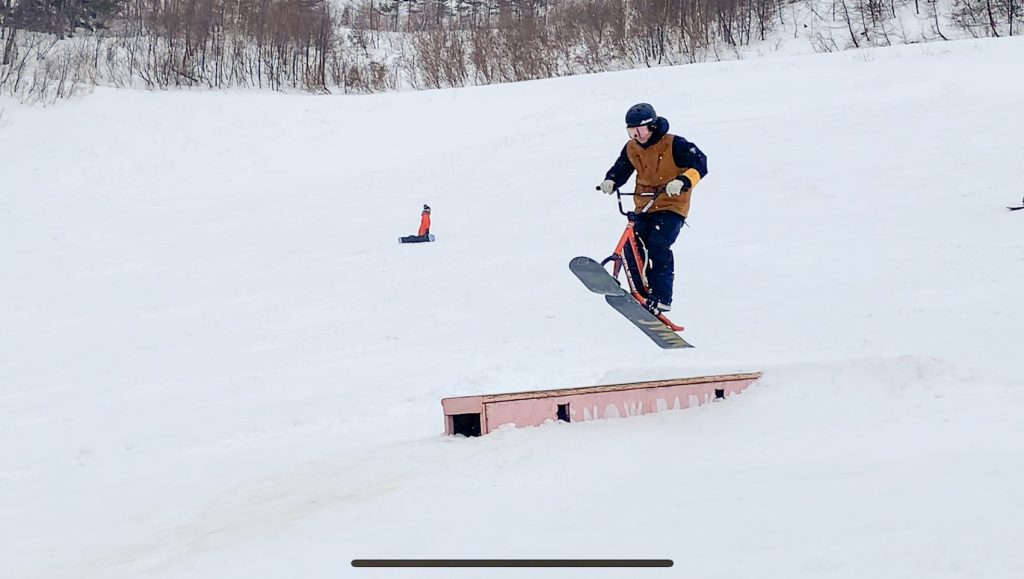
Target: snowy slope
<point>215,361</point>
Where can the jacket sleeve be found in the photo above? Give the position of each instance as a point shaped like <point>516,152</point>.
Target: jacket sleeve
<point>622,170</point>
<point>689,156</point>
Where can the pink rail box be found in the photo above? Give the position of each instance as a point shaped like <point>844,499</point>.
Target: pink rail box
<point>477,415</point>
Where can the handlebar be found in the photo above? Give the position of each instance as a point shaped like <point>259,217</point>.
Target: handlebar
<point>630,193</point>
<point>620,194</point>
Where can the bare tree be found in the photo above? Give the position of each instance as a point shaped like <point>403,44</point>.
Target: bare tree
<point>9,45</point>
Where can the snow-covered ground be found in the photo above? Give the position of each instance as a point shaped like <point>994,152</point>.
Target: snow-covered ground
<point>217,362</point>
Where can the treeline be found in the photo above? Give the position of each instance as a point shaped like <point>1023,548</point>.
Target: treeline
<point>459,42</point>
<point>51,48</point>
<point>162,43</point>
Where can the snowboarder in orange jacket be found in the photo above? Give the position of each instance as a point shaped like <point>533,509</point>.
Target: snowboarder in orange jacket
<point>423,234</point>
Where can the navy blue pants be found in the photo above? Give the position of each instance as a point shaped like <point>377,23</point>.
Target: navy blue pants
<point>657,232</point>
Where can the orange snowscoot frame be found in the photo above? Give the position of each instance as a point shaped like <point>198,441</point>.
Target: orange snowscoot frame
<point>629,245</point>
<point>629,302</point>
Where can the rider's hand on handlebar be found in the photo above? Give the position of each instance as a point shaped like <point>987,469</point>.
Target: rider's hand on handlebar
<point>607,186</point>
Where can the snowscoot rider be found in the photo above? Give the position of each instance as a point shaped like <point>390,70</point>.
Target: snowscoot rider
<point>661,160</point>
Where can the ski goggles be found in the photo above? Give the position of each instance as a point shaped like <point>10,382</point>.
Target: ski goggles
<point>634,132</point>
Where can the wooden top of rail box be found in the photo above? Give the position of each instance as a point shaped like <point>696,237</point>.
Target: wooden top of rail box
<point>487,398</point>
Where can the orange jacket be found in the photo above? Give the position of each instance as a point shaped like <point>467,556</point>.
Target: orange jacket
<point>424,223</point>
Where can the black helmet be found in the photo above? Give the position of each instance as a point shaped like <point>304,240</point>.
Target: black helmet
<point>640,114</point>
<point>426,208</point>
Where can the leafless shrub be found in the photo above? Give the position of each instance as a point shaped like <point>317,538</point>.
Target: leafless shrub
<point>440,56</point>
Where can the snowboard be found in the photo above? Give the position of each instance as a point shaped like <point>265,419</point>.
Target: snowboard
<point>597,279</point>
<point>416,238</point>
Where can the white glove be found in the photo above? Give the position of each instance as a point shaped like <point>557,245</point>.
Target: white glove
<point>676,186</point>
<point>607,186</point>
